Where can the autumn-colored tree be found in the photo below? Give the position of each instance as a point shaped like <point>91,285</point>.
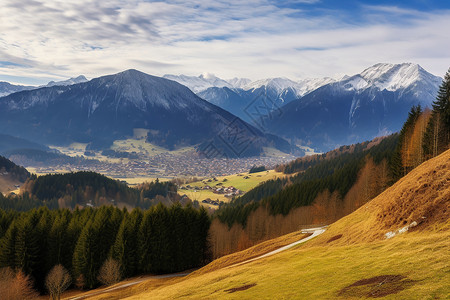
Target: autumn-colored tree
<point>109,272</point>
<point>16,285</point>
<point>57,281</point>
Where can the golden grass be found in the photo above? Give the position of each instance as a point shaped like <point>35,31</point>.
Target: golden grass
<point>423,196</point>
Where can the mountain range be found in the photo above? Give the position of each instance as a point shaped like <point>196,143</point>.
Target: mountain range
<point>108,108</point>
<point>322,113</point>
<point>7,88</point>
<point>325,113</point>
<point>357,108</point>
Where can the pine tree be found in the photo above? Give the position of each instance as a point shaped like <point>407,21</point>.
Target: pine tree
<point>8,246</point>
<point>125,249</point>
<point>437,135</point>
<point>85,261</point>
<point>399,159</point>
<point>27,247</point>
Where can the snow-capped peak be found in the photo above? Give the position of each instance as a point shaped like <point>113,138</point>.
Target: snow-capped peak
<point>199,83</point>
<point>395,76</point>
<point>238,82</point>
<point>300,88</point>
<point>73,80</point>
<point>279,84</point>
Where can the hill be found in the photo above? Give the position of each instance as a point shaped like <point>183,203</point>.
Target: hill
<point>10,144</point>
<point>108,108</point>
<point>11,175</point>
<point>353,259</point>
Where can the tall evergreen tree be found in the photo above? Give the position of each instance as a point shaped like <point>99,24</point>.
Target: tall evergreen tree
<point>437,135</point>
<point>27,247</point>
<point>8,246</point>
<point>397,164</point>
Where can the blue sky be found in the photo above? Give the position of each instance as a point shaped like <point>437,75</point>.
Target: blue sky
<point>43,40</point>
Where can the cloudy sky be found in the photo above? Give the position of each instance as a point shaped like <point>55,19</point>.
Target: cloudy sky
<point>42,40</point>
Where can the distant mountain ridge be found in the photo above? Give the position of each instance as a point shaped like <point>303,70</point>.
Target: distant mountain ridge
<point>108,108</point>
<point>7,88</point>
<point>357,108</point>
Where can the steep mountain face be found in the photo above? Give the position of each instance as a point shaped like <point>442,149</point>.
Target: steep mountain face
<point>356,108</point>
<point>7,88</point>
<point>109,107</point>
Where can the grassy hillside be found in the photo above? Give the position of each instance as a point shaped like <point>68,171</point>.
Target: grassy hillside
<point>353,259</point>
<point>11,175</point>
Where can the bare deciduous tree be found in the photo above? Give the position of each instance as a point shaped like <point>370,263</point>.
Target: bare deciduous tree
<point>57,281</point>
<point>109,272</point>
<point>15,285</point>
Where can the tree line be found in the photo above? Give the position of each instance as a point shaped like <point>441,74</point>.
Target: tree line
<point>158,240</point>
<point>81,188</point>
<point>329,172</point>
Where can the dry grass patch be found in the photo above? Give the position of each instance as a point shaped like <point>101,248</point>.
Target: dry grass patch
<point>376,287</point>
<point>241,288</point>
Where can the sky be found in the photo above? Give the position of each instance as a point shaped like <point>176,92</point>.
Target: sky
<point>43,40</point>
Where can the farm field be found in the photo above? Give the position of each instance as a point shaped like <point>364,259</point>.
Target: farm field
<point>238,181</point>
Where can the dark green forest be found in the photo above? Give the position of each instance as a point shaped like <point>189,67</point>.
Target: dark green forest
<point>157,240</point>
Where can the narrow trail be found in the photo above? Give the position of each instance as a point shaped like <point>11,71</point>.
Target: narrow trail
<point>315,232</point>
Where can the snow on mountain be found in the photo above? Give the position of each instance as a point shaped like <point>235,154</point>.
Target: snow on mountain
<point>108,108</point>
<point>73,80</point>
<point>356,108</point>
<point>238,82</point>
<point>310,84</point>
<point>391,77</point>
<point>280,85</point>
<point>199,83</point>
<point>7,88</point>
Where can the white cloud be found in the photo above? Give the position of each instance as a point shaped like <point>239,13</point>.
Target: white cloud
<point>59,39</point>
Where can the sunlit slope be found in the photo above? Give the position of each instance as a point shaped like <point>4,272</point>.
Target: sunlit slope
<point>361,263</point>
<point>422,197</point>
